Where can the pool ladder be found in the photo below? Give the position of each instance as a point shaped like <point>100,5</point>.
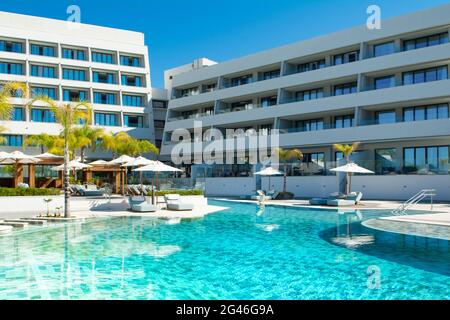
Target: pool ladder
<point>425,193</point>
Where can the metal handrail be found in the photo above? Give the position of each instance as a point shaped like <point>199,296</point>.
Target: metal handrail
<point>414,200</point>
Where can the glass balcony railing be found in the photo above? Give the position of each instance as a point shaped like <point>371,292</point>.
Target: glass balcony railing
<point>190,116</point>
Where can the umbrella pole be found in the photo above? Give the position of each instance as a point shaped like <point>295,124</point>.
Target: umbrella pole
<point>153,189</point>
<point>142,185</point>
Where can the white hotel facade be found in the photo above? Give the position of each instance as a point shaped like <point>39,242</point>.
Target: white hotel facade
<point>107,67</point>
<point>388,89</point>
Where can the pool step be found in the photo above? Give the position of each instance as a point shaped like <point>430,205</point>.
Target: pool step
<point>5,229</point>
<point>30,221</point>
<point>49,219</point>
<point>22,225</point>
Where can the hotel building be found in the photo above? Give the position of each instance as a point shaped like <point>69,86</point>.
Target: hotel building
<point>388,89</point>
<point>107,67</point>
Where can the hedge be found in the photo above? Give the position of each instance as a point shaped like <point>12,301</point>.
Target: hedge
<point>180,192</point>
<point>28,192</point>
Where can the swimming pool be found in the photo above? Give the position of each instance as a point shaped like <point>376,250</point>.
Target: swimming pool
<point>286,253</point>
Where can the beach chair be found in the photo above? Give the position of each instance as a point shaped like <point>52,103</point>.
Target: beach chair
<point>174,203</point>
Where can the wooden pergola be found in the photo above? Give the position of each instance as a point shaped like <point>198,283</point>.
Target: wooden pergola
<point>116,174</point>
<point>18,176</point>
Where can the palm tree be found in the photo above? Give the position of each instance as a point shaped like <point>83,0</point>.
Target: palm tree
<point>46,143</point>
<point>285,156</point>
<point>85,137</point>
<point>7,92</point>
<point>347,151</point>
<point>68,115</point>
<point>122,143</point>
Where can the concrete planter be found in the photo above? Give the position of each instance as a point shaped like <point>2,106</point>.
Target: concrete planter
<point>35,205</point>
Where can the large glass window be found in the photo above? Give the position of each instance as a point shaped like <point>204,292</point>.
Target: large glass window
<point>106,119</point>
<point>42,115</point>
<point>43,91</point>
<point>130,61</point>
<point>74,95</point>
<point>346,88</point>
<point>159,104</point>
<point>239,81</point>
<point>344,121</point>
<point>425,160</point>
<point>309,94</point>
<point>346,57</point>
<point>425,75</point>
<point>17,114</point>
<point>268,101</point>
<point>271,74</point>
<point>310,125</point>
<point>425,41</point>
<point>386,161</point>
<point>43,50</point>
<point>384,49</point>
<point>132,101</point>
<point>310,66</point>
<point>312,164</point>
<point>132,81</point>
<point>133,121</point>
<point>11,46</point>
<point>103,77</point>
<point>43,71</point>
<point>104,98</point>
<point>11,68</point>
<point>439,111</point>
<point>73,54</point>
<point>12,140</point>
<point>102,57</point>
<point>385,117</point>
<point>384,82</point>
<point>74,74</point>
<point>190,92</point>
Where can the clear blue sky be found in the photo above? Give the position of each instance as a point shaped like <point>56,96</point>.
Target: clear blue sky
<point>178,31</point>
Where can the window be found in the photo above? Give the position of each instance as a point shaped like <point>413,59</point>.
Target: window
<point>425,41</point>
<point>271,74</point>
<point>11,68</point>
<point>43,91</point>
<point>106,119</point>
<point>43,71</point>
<point>12,140</point>
<point>132,81</point>
<point>425,160</point>
<point>210,87</point>
<point>104,98</point>
<point>17,114</point>
<point>133,121</point>
<point>159,124</point>
<point>383,49</point>
<point>346,88</point>
<point>310,125</point>
<point>269,101</point>
<point>130,61</point>
<point>159,104</point>
<point>102,57</point>
<point>384,82</point>
<point>189,92</point>
<point>11,46</point>
<point>74,74</point>
<point>386,161</point>
<point>74,95</point>
<point>344,121</point>
<point>385,117</point>
<point>239,81</point>
<point>132,101</point>
<point>439,111</point>
<point>243,105</point>
<point>312,164</point>
<point>425,75</point>
<point>310,66</point>
<point>74,54</point>
<point>40,50</point>
<point>346,57</point>
<point>42,115</point>
<point>309,94</point>
<point>103,77</point>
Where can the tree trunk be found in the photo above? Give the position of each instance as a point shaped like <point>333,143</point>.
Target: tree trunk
<point>285,178</point>
<point>82,154</point>
<point>66,178</point>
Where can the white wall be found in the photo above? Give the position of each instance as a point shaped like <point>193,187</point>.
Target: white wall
<point>229,186</point>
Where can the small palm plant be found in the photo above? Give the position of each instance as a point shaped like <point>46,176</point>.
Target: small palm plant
<point>7,92</point>
<point>68,115</point>
<point>285,156</point>
<point>347,151</point>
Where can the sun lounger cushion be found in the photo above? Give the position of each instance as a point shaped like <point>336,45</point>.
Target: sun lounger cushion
<point>318,201</point>
<point>144,207</point>
<point>174,203</point>
<point>341,202</point>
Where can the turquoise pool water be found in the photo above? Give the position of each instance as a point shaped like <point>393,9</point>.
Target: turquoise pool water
<point>287,253</point>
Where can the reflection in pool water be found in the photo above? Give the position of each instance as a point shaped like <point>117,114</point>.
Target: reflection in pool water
<point>286,253</point>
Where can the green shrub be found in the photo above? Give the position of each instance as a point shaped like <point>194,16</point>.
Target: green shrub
<point>181,192</point>
<point>22,192</point>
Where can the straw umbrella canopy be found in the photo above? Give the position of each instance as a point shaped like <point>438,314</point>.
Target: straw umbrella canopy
<point>351,168</point>
<point>139,162</point>
<point>73,165</point>
<point>157,167</point>
<point>49,156</point>
<point>268,172</point>
<point>99,163</point>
